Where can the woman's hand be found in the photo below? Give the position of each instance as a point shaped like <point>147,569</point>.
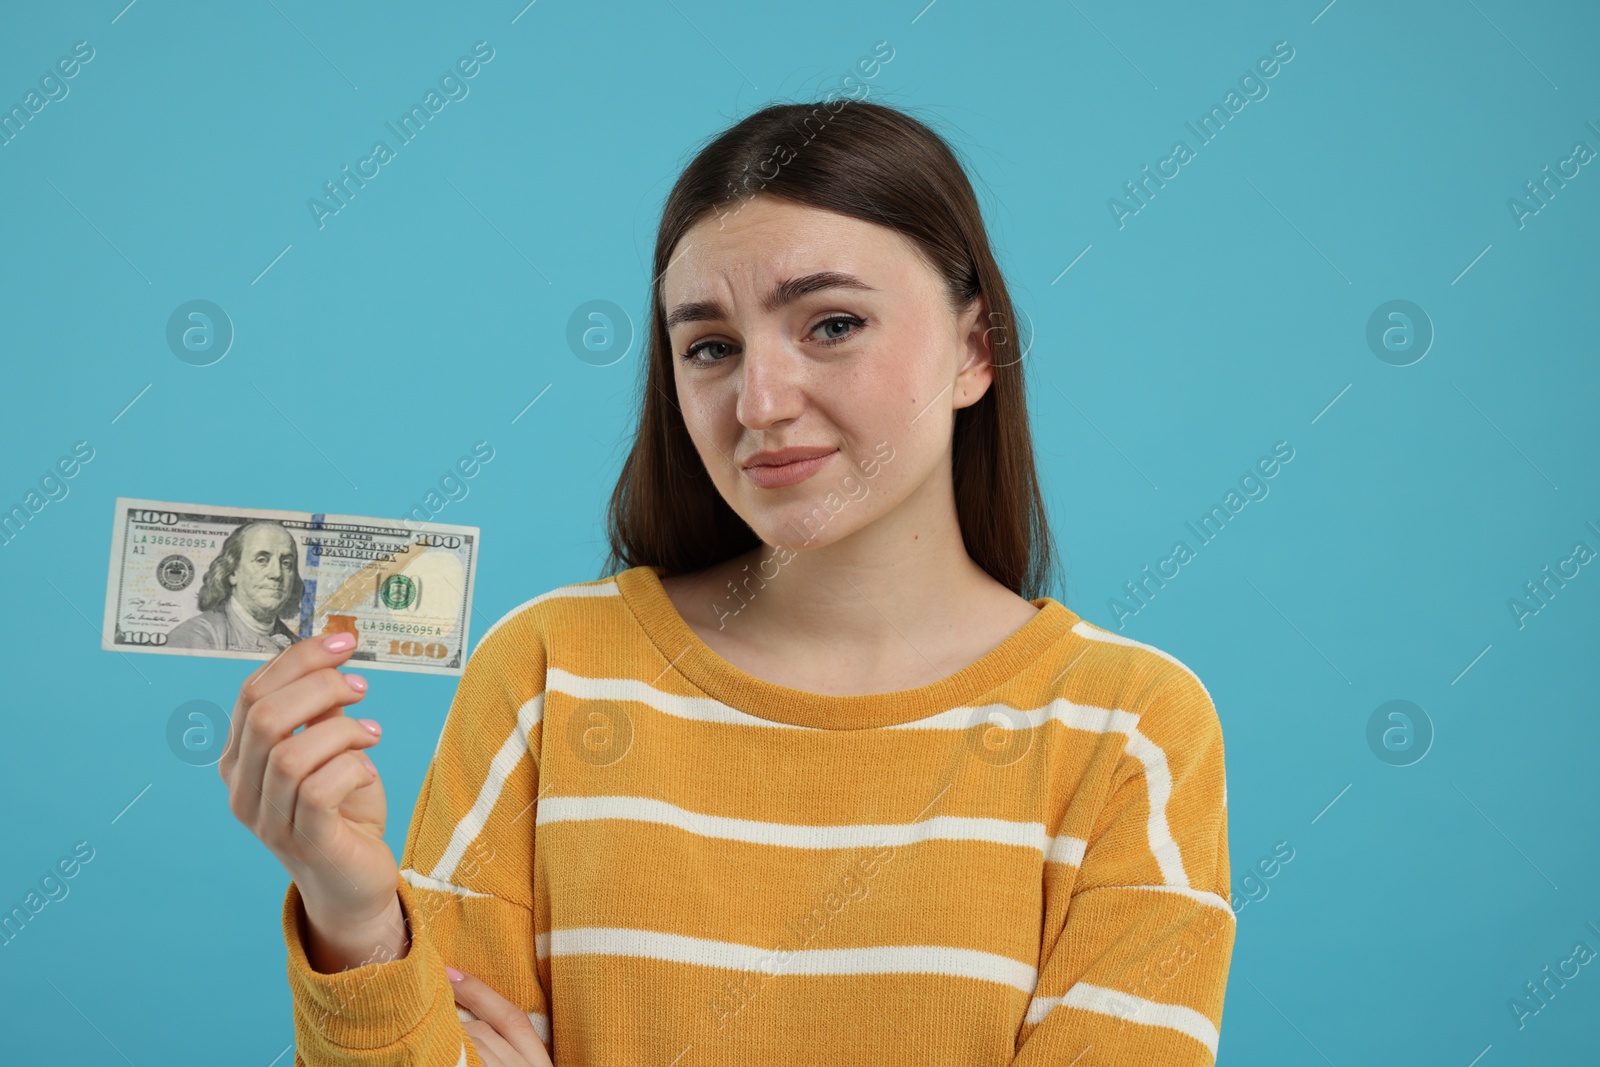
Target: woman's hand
<point>501,1033</point>
<point>314,798</point>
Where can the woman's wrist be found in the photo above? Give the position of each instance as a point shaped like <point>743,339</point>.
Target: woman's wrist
<point>334,945</point>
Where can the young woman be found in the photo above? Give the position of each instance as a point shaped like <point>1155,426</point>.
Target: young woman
<point>816,772</point>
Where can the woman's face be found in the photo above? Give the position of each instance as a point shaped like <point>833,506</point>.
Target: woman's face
<point>811,330</point>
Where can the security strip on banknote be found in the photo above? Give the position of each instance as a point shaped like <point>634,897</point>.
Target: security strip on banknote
<point>246,583</point>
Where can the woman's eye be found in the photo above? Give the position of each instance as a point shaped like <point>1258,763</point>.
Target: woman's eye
<point>834,330</point>
<point>838,320</point>
<point>696,349</point>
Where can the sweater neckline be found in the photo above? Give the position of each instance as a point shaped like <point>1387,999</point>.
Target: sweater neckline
<point>655,612</point>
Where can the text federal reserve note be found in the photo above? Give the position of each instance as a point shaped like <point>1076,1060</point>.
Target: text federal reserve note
<point>245,583</point>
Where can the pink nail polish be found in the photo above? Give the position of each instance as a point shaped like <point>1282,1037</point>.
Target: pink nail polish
<point>339,642</point>
<point>371,726</point>
<point>453,974</point>
<point>358,683</point>
<point>373,767</point>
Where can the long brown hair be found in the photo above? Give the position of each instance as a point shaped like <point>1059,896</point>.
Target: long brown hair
<point>871,162</point>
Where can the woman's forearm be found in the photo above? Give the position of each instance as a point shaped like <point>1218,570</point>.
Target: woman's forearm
<point>334,946</point>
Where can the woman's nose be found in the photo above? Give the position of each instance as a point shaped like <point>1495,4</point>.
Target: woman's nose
<point>771,387</point>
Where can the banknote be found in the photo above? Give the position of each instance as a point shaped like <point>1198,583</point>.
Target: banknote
<point>245,583</point>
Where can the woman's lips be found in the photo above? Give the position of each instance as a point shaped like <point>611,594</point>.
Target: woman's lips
<point>777,477</point>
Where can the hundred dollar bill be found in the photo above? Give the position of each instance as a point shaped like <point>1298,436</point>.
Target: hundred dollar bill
<point>245,583</point>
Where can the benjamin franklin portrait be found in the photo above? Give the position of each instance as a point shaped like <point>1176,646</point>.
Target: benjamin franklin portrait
<point>248,591</point>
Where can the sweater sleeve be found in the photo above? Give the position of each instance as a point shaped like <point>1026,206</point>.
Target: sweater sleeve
<point>466,884</point>
<point>1139,935</point>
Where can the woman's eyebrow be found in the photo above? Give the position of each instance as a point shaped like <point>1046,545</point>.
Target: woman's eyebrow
<point>786,291</point>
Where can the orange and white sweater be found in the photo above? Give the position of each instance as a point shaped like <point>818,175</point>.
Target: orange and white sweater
<point>665,860</point>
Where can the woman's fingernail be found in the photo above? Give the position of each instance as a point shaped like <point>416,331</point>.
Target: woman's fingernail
<point>453,974</point>
<point>358,683</point>
<point>372,726</point>
<point>373,767</point>
<point>339,642</point>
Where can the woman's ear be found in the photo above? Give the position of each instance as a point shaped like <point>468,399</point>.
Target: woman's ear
<point>980,337</point>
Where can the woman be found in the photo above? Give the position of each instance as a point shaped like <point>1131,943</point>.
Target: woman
<point>816,773</point>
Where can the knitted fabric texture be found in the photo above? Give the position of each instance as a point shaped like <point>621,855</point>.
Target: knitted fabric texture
<point>662,859</point>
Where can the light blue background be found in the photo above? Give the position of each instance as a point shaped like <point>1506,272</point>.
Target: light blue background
<point>1229,314</point>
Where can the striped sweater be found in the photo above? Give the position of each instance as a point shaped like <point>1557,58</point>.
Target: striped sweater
<point>665,860</point>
